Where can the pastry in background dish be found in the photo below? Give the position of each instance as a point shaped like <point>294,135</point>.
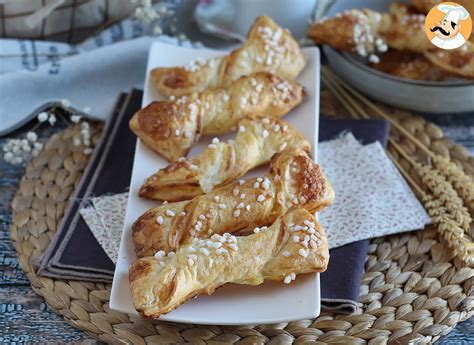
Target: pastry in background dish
<point>257,141</point>
<point>408,65</point>
<point>295,244</point>
<point>268,48</point>
<point>370,33</point>
<point>172,127</point>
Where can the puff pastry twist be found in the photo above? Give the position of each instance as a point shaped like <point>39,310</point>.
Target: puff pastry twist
<point>172,127</point>
<point>295,180</point>
<point>257,141</point>
<point>359,31</point>
<point>294,244</point>
<point>268,48</point>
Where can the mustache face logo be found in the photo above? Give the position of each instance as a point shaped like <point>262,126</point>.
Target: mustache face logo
<point>436,28</point>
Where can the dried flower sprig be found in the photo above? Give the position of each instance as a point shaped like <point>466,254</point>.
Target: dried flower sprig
<point>159,18</point>
<point>19,151</point>
<point>84,138</point>
<point>461,182</point>
<point>145,12</point>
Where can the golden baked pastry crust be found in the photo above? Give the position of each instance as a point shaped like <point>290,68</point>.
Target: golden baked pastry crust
<point>295,180</point>
<point>161,284</point>
<point>338,32</point>
<point>409,65</point>
<point>171,128</point>
<point>257,141</point>
<point>268,48</point>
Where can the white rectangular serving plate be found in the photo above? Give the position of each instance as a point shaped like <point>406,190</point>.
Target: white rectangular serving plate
<point>270,302</point>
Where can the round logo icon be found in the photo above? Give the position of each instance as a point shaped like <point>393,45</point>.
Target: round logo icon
<point>448,25</point>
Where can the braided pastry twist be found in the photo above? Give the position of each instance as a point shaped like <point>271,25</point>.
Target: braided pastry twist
<point>172,127</point>
<point>359,30</point>
<point>295,180</point>
<point>257,141</point>
<point>294,244</point>
<point>268,48</point>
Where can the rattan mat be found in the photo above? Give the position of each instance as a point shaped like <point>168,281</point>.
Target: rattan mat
<point>414,288</point>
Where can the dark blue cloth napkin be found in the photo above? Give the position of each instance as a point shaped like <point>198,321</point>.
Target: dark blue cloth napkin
<point>74,253</point>
<point>341,282</point>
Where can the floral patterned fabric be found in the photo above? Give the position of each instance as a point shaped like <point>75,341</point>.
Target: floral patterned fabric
<point>105,217</point>
<point>372,198</point>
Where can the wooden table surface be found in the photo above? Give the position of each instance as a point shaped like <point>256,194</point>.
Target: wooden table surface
<point>25,318</point>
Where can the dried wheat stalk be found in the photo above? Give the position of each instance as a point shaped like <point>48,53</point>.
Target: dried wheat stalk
<point>444,221</point>
<point>449,228</point>
<point>445,192</point>
<point>440,187</point>
<point>461,182</point>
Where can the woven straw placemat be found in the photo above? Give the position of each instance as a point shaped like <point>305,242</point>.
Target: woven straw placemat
<point>414,289</point>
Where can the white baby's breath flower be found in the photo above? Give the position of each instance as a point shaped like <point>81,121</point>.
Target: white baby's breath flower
<point>18,151</point>
<point>42,117</point>
<point>52,119</point>
<point>164,10</point>
<point>86,133</point>
<point>65,103</point>
<point>146,13</point>
<point>75,118</point>
<point>31,136</point>
<point>84,138</point>
<point>8,157</point>
<point>87,151</point>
